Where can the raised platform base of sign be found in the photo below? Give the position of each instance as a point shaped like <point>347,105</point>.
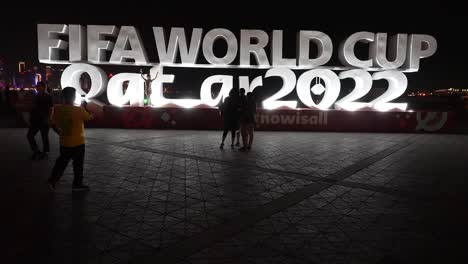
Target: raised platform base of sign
<point>281,120</point>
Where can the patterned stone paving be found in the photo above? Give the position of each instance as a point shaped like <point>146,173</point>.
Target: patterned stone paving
<point>175,197</point>
<point>318,156</point>
<point>337,225</point>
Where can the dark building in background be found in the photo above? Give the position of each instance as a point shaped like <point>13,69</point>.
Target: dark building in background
<point>25,77</point>
<point>52,76</point>
<point>28,74</point>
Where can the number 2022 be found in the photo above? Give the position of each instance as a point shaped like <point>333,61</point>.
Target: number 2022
<point>397,83</point>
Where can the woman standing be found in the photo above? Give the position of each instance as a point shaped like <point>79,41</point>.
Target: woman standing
<point>249,110</point>
<point>230,113</point>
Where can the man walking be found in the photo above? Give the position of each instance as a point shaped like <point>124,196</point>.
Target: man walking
<point>69,122</point>
<point>39,121</point>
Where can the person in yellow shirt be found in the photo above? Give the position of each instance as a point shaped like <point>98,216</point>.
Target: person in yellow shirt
<point>69,120</point>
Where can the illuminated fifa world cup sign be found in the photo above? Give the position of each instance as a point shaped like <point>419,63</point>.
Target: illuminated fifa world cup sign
<point>390,57</point>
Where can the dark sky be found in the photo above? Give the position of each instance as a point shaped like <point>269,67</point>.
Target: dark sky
<point>447,68</point>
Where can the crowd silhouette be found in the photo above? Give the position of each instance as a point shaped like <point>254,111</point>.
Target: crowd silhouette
<point>238,112</point>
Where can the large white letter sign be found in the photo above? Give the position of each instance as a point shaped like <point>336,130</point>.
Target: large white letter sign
<point>134,94</point>
<point>250,86</point>
<point>96,46</point>
<point>277,51</point>
<point>210,39</point>
<point>397,83</point>
<point>177,42</point>
<point>396,50</point>
<point>332,88</point>
<point>129,47</point>
<point>71,77</point>
<point>420,46</point>
<point>257,48</point>
<point>289,81</point>
<point>205,91</point>
<point>363,84</point>
<point>157,96</point>
<point>77,48</point>
<point>346,51</point>
<point>388,55</point>
<point>47,42</point>
<point>324,48</point>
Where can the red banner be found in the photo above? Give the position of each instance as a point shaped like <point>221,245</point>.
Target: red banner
<point>284,120</point>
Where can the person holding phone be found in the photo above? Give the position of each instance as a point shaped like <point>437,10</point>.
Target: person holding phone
<point>68,120</point>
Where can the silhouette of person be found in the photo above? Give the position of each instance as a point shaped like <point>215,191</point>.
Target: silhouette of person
<point>230,112</point>
<point>39,121</point>
<point>247,118</point>
<point>148,81</point>
<point>241,103</point>
<point>69,120</point>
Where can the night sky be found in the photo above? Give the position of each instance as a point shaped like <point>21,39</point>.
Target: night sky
<point>447,68</point>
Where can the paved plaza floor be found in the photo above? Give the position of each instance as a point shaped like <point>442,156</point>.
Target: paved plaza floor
<point>298,197</point>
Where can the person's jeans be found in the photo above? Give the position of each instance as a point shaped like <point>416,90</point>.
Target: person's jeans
<point>66,153</point>
<point>43,127</point>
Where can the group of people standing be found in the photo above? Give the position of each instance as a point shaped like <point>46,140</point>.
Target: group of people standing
<point>238,111</point>
<point>67,120</point>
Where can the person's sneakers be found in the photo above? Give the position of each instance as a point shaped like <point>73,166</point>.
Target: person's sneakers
<point>221,146</point>
<point>232,145</point>
<point>43,155</point>
<point>237,144</point>
<point>248,148</point>
<point>36,155</point>
<point>243,149</point>
<point>51,186</point>
<point>78,188</point>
